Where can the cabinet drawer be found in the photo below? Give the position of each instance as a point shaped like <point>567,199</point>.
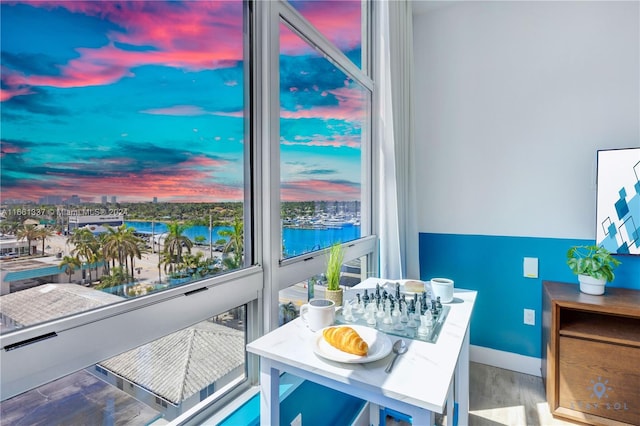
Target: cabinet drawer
<point>601,379</point>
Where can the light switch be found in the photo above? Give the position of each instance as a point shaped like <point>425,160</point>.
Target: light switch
<point>530,267</point>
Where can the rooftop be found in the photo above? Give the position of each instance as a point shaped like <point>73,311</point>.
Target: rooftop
<point>177,366</point>
<point>48,302</point>
<point>173,367</point>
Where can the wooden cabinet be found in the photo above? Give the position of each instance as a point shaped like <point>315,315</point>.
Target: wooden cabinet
<point>591,354</point>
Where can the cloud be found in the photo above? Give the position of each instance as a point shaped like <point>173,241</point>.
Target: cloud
<point>191,111</point>
<point>6,94</point>
<point>179,110</point>
<point>136,171</point>
<point>321,106</point>
<point>11,147</point>
<point>341,104</point>
<point>316,172</point>
<point>38,102</point>
<point>29,63</point>
<point>301,168</point>
<point>321,132</point>
<point>338,21</point>
<point>318,190</point>
<point>350,105</point>
<point>190,35</point>
<point>124,46</point>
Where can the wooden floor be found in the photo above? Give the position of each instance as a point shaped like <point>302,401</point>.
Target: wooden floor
<point>502,397</point>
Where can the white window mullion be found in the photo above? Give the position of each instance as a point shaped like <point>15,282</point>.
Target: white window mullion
<point>294,270</point>
<point>270,146</point>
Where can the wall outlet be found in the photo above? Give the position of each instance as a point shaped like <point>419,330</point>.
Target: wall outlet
<point>530,317</point>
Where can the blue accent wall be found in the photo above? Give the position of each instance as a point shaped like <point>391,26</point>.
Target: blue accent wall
<point>493,265</point>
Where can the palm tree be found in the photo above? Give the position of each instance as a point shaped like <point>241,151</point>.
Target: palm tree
<point>141,248</point>
<point>43,234</point>
<point>94,260</point>
<point>235,243</point>
<point>86,246</point>
<point>174,242</point>
<point>69,265</point>
<point>118,276</point>
<point>121,244</point>
<point>102,240</point>
<point>194,264</point>
<point>8,227</point>
<point>29,233</point>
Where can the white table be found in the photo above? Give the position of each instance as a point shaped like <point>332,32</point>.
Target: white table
<point>420,384</point>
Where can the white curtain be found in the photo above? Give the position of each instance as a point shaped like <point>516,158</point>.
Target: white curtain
<point>398,223</point>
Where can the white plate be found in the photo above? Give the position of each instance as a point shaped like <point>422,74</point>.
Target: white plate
<point>379,346</point>
<point>391,287</point>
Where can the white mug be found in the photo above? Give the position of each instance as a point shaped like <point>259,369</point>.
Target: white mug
<point>443,288</point>
<point>318,313</point>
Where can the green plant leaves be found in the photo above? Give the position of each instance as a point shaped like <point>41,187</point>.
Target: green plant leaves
<point>593,261</point>
<point>334,266</point>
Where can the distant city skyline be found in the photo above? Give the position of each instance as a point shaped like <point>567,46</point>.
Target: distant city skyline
<point>100,98</point>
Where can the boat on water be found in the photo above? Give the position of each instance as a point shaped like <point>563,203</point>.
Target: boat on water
<point>322,221</point>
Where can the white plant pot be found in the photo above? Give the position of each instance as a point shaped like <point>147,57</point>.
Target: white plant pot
<point>590,285</point>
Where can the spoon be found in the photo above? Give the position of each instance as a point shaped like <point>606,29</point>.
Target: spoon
<point>399,347</point>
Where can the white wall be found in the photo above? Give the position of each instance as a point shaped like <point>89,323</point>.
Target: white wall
<point>513,99</point>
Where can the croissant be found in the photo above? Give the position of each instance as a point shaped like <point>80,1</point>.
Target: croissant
<point>346,339</point>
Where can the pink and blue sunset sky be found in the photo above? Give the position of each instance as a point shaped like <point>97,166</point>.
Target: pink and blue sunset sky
<point>145,99</point>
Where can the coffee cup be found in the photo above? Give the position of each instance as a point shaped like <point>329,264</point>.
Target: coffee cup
<point>443,288</point>
<point>318,313</point>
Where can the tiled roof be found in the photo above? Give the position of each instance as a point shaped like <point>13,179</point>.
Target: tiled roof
<point>51,301</point>
<point>180,364</point>
<point>173,367</point>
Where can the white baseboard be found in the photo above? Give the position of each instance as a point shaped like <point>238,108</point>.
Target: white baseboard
<point>507,360</point>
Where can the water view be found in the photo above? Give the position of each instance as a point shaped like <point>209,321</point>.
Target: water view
<point>296,241</point>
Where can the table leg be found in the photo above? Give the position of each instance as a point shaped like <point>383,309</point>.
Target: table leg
<point>422,417</point>
<point>451,402</point>
<point>461,385</point>
<point>269,393</point>
<point>374,414</point>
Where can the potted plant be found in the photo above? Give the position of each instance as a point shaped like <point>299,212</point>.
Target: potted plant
<point>594,267</point>
<point>334,268</point>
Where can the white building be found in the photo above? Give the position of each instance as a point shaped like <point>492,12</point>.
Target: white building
<point>12,247</point>
<point>95,223</point>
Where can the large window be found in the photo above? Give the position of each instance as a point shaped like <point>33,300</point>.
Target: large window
<point>324,149</point>
<point>158,177</point>
<point>125,179</point>
<point>124,142</point>
<point>322,115</point>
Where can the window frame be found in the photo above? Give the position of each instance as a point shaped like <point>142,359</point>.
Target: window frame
<point>38,354</point>
<point>283,273</point>
<point>69,344</point>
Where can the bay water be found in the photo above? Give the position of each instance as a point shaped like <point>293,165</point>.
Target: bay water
<point>296,240</point>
